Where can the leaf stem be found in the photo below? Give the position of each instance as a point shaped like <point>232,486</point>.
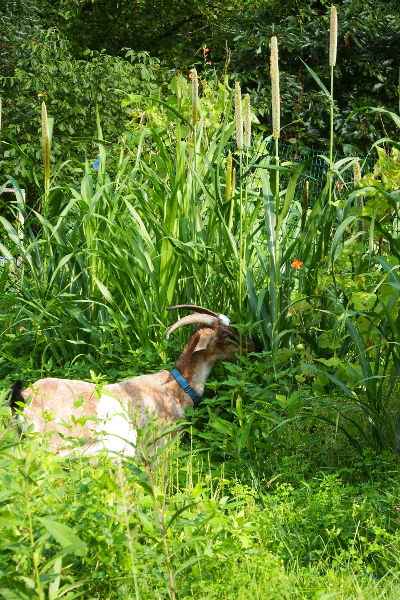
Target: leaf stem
<point>35,556</point>
<point>330,176</point>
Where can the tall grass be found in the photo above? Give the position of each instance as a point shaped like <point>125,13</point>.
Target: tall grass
<point>177,225</point>
<point>175,526</point>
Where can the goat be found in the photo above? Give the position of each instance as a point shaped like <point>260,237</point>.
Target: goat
<point>73,404</point>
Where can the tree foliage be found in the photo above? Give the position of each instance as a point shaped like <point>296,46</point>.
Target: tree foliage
<point>19,20</point>
<point>173,29</point>
<point>74,52</point>
<point>367,68</point>
<point>46,69</point>
<point>238,34</point>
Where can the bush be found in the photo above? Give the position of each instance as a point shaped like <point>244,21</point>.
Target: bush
<point>47,70</point>
<point>366,72</point>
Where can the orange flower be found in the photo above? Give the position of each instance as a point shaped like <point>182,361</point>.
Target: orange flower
<point>21,328</point>
<point>296,264</point>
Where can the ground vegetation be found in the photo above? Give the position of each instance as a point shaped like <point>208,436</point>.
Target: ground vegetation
<point>156,190</point>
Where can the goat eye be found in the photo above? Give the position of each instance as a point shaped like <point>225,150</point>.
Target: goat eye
<point>230,338</point>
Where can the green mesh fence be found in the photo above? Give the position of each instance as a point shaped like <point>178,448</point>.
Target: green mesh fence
<point>316,173</point>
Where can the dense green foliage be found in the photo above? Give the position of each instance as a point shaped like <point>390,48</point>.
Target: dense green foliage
<point>291,530</point>
<point>75,53</point>
<point>171,29</point>
<point>284,485</point>
<point>19,22</point>
<point>367,72</point>
<point>74,89</point>
<point>96,277</point>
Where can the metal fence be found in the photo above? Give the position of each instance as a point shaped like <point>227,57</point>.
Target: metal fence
<point>316,174</point>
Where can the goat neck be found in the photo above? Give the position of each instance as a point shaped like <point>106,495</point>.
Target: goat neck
<point>195,366</point>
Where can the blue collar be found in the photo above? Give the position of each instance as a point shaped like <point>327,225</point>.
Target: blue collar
<point>185,385</point>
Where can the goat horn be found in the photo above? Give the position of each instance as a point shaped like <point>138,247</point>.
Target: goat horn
<point>189,319</point>
<point>197,309</point>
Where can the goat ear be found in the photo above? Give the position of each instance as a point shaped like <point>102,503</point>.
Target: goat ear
<point>204,342</point>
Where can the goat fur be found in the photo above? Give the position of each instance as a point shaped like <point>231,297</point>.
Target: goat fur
<point>52,400</point>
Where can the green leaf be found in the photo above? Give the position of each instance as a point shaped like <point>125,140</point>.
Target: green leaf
<point>331,362</point>
<point>291,189</point>
<point>363,300</point>
<point>8,519</point>
<point>339,233</point>
<point>186,564</point>
<point>67,550</point>
<point>393,115</point>
<point>144,481</point>
<point>14,594</point>
<point>63,534</point>
<point>179,512</point>
<point>67,588</point>
<point>55,584</point>
<point>316,78</point>
<point>148,524</point>
<point>334,379</point>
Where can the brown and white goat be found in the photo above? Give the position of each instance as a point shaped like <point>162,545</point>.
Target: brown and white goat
<point>65,406</point>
